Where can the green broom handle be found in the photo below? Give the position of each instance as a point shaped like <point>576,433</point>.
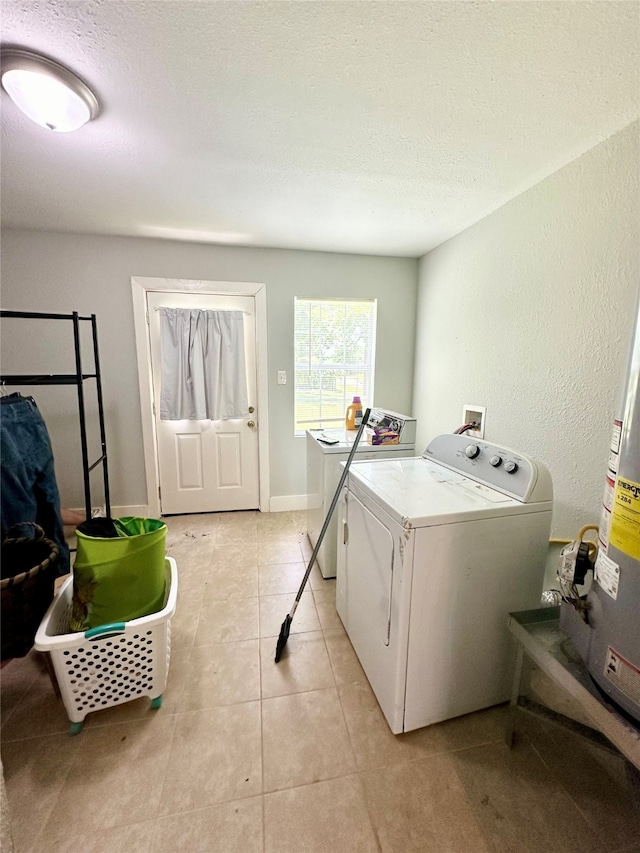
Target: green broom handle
<point>365,419</point>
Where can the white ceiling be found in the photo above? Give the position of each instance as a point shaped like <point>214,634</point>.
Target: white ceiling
<point>373,127</point>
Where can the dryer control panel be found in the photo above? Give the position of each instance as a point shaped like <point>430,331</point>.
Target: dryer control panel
<point>501,468</point>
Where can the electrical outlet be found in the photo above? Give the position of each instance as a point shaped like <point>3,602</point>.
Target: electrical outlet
<point>474,414</point>
<point>282,377</point>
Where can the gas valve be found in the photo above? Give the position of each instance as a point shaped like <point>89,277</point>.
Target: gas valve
<point>575,562</point>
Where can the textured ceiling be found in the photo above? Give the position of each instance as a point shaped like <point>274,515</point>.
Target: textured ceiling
<point>375,127</point>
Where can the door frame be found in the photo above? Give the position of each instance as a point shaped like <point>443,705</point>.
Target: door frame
<point>139,287</point>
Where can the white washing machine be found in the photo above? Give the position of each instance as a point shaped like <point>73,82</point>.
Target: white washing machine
<point>326,449</point>
<point>434,552</point>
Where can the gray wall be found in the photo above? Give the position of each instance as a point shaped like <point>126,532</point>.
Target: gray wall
<point>529,313</point>
<point>43,271</point>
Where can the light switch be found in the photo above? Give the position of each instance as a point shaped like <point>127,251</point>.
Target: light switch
<point>282,377</point>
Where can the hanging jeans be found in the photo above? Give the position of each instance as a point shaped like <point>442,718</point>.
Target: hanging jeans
<point>28,488</point>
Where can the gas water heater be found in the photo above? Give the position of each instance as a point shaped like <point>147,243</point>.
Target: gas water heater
<point>608,634</point>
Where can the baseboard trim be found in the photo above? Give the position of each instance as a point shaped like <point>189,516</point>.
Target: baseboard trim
<point>139,510</point>
<point>287,503</point>
<point>280,503</point>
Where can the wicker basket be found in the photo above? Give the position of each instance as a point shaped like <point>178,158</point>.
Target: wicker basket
<point>28,577</point>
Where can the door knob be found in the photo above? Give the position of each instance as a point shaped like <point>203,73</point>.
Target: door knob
<point>251,424</point>
<point>251,410</point>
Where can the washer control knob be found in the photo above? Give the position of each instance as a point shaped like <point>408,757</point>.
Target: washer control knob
<point>511,467</point>
<point>472,450</point>
<point>496,461</point>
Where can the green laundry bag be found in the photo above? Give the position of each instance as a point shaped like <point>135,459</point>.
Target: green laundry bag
<point>121,578</point>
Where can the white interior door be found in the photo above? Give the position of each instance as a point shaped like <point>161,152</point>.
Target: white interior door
<point>205,465</point>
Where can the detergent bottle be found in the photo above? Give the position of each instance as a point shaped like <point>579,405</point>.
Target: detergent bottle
<point>354,414</point>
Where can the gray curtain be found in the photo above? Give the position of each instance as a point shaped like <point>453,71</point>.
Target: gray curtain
<point>204,373</point>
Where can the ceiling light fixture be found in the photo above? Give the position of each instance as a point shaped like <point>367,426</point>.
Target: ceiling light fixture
<point>50,94</point>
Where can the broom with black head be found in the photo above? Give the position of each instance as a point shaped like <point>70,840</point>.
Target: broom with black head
<point>286,625</point>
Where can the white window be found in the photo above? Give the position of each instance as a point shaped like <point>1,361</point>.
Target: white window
<point>335,343</point>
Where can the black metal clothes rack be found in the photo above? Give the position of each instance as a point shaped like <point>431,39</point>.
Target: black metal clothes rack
<point>78,378</point>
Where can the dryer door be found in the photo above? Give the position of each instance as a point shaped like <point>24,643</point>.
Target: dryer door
<point>365,596</point>
<point>369,575</point>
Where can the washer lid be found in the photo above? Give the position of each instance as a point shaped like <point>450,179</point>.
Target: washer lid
<point>419,493</point>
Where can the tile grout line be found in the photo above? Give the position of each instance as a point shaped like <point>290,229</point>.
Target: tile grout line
<point>262,803</point>
<point>358,772</point>
<point>60,791</point>
<point>174,728</point>
<point>558,780</point>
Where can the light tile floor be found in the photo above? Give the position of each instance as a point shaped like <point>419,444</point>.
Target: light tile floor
<point>248,756</point>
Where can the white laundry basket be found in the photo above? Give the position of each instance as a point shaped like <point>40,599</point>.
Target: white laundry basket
<point>113,663</point>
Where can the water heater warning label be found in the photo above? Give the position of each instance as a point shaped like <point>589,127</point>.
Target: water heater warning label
<point>622,674</point>
<point>609,491</point>
<point>624,533</point>
<point>607,574</point>
<point>614,448</point>
<point>615,436</point>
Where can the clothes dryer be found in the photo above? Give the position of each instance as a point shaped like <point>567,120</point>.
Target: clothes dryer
<point>434,552</point>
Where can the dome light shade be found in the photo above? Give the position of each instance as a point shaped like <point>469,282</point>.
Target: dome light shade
<point>47,92</point>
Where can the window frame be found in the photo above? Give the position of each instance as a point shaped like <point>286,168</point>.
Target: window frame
<point>365,367</point>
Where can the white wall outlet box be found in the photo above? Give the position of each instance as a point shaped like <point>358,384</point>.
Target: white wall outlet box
<point>282,377</point>
<point>474,414</point>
